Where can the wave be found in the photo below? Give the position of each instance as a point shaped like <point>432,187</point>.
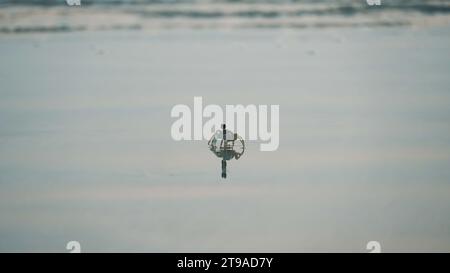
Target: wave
<point>56,16</point>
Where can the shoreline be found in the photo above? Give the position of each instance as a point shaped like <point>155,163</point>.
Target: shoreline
<point>52,19</point>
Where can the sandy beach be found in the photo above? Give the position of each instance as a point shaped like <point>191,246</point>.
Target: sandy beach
<point>86,152</point>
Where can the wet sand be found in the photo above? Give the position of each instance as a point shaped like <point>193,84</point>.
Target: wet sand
<point>86,152</point>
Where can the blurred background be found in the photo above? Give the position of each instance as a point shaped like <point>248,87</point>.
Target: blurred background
<point>53,15</point>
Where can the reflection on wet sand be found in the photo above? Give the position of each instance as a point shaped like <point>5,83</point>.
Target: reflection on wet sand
<point>226,145</point>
